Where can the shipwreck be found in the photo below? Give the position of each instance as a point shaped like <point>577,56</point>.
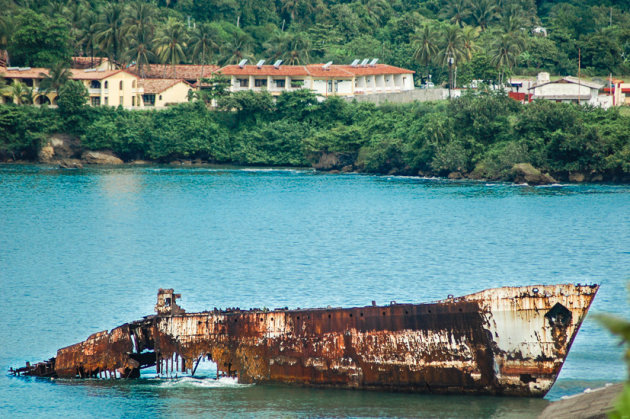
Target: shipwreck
<point>502,341</point>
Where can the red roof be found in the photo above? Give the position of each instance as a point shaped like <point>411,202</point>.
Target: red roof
<point>159,85</point>
<point>314,70</point>
<point>318,70</point>
<point>36,73</point>
<point>181,71</point>
<point>265,70</point>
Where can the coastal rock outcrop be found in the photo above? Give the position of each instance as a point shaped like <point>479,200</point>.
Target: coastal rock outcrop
<point>46,154</point>
<point>70,164</point>
<point>100,157</point>
<point>526,173</point>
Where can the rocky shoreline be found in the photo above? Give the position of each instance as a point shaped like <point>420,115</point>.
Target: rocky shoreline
<point>67,153</point>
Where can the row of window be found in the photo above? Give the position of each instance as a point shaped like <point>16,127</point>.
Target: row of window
<point>280,83</point>
<point>95,84</point>
<point>148,99</point>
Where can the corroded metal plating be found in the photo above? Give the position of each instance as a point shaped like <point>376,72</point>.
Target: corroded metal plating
<point>504,341</point>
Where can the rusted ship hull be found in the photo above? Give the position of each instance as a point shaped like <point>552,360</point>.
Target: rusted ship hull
<point>503,341</point>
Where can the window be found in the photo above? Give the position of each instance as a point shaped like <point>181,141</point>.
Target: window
<point>243,82</point>
<point>297,83</point>
<point>330,86</point>
<point>260,83</point>
<point>120,86</point>
<point>133,101</point>
<point>106,84</point>
<point>160,97</point>
<point>95,84</point>
<point>280,83</point>
<point>96,101</point>
<point>121,101</point>
<point>149,100</point>
<point>106,100</point>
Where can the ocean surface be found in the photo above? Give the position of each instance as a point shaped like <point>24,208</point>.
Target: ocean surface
<point>86,250</point>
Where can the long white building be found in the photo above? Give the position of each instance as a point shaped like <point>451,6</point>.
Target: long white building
<point>322,79</point>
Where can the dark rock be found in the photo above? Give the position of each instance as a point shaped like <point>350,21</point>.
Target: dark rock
<point>65,146</point>
<point>526,173</point>
<point>100,157</point>
<point>334,172</point>
<point>455,175</point>
<point>175,163</point>
<point>347,169</point>
<point>70,164</point>
<point>597,178</point>
<point>140,162</point>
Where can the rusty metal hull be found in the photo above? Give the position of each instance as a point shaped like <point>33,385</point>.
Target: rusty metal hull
<point>503,341</point>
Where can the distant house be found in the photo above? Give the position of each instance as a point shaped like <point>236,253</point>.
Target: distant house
<point>159,93</point>
<point>615,89</point>
<point>568,90</point>
<point>105,87</point>
<point>322,79</point>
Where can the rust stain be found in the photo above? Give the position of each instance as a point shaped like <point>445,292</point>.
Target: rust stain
<point>503,341</point>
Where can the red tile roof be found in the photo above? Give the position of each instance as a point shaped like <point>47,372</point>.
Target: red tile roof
<point>314,70</point>
<point>159,85</point>
<point>36,73</point>
<point>182,71</point>
<point>265,70</point>
<point>318,70</point>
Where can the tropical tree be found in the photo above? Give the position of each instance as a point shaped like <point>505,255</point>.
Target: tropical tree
<point>239,46</point>
<point>425,47</point>
<point>6,29</point>
<point>21,93</point>
<point>170,43</point>
<point>457,11</point>
<point>452,46</point>
<point>469,36</point>
<point>377,10</point>
<point>505,52</point>
<point>111,31</point>
<point>140,50</point>
<point>483,13</point>
<point>140,18</point>
<point>88,34</point>
<point>52,81</point>
<point>203,45</point>
<point>293,48</point>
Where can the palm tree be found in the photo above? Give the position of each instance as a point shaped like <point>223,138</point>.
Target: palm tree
<point>140,19</point>
<point>457,11</point>
<point>452,45</point>
<point>377,9</point>
<point>21,93</point>
<point>469,35</point>
<point>424,45</point>
<point>203,45</point>
<point>505,51</point>
<point>110,31</point>
<point>291,7</point>
<point>56,77</point>
<point>140,50</point>
<point>483,12</point>
<point>297,49</point>
<point>237,48</point>
<point>170,43</point>
<point>292,48</point>
<point>89,34</point>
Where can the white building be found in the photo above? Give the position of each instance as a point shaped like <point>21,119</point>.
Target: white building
<point>322,79</point>
<point>569,90</point>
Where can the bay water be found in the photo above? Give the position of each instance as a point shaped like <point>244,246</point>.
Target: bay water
<point>86,250</point>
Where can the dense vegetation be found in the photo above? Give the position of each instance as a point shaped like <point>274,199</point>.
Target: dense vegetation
<point>486,38</point>
<point>480,136</point>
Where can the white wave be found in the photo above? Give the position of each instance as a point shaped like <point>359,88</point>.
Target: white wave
<point>223,382</point>
<point>553,185</point>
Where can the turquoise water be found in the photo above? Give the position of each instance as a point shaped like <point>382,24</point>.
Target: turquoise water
<point>83,251</point>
